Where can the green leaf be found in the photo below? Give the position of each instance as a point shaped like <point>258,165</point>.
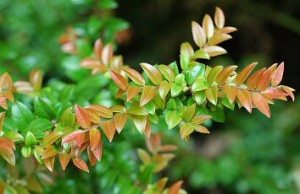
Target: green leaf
<point>199,97</point>
<point>176,89</point>
<point>184,62</point>
<point>108,4</point>
<point>172,119</point>
<point>38,126</point>
<point>68,118</point>
<point>201,54</point>
<point>21,115</point>
<point>192,73</point>
<point>200,84</point>
<point>218,114</point>
<point>174,67</point>
<point>43,108</point>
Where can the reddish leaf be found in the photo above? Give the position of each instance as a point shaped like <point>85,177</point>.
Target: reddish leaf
<point>49,152</point>
<point>92,158</point>
<point>95,137</point>
<point>243,75</point>
<point>252,80</point>
<point>261,103</point>
<point>264,80</point>
<point>119,80</point>
<point>120,120</point>
<point>274,93</point>
<point>82,117</point>
<point>64,160</point>
<point>224,74</point>
<point>148,94</point>
<point>277,76</point>
<point>244,97</point>
<point>97,152</point>
<point>80,163</point>
<point>109,129</point>
<point>153,74</point>
<point>148,129</point>
<point>175,188</point>
<point>98,46</point>
<point>219,38</point>
<point>134,75</point>
<point>107,54</point>
<point>75,136</point>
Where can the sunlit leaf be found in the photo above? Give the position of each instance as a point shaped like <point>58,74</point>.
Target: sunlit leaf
<point>245,99</point>
<point>149,92</point>
<point>219,18</point>
<point>119,80</point>
<point>109,129</point>
<point>153,74</point>
<point>172,119</point>
<point>80,163</point>
<point>208,26</point>
<point>198,34</point>
<point>261,103</point>
<point>134,75</point>
<point>277,76</point>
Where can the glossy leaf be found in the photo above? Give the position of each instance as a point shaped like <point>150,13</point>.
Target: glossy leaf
<point>148,94</point>
<point>219,18</point>
<point>82,117</point>
<point>80,163</point>
<point>109,129</point>
<point>198,34</point>
<point>212,94</point>
<point>213,51</point>
<point>153,74</point>
<point>120,121</point>
<point>167,72</point>
<point>277,76</point>
<point>261,103</point>
<point>64,160</point>
<point>243,75</point>
<point>245,99</point>
<point>95,137</point>
<point>119,80</point>
<point>208,26</point>
<point>172,119</point>
<point>134,76</point>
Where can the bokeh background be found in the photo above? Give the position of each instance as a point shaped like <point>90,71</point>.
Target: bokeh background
<point>246,154</point>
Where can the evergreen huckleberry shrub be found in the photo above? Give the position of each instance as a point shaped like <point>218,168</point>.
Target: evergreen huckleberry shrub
<point>57,123</point>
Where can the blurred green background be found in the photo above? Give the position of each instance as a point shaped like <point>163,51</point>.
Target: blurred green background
<point>247,154</point>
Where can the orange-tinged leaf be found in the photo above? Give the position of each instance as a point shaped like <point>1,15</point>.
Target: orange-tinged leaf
<point>107,54</point>
<point>98,46</point>
<point>213,51</point>
<point>52,137</point>
<point>100,110</point>
<point>186,129</point>
<point>274,93</point>
<point>75,136</point>
<point>81,164</point>
<point>153,74</point>
<point>230,92</point>
<point>219,18</point>
<point>82,117</point>
<point>175,188</point>
<point>244,97</point>
<point>132,91</point>
<point>149,92</point>
<point>198,34</point>
<point>64,160</point>
<point>264,80</point>
<point>95,137</point>
<point>109,129</point>
<point>243,75</point>
<point>120,121</point>
<point>36,78</point>
<point>167,148</point>
<point>201,129</point>
<point>92,157</point>
<point>289,91</point>
<point>212,94</point>
<point>164,88</point>
<point>49,163</point>
<point>277,75</point>
<point>261,103</point>
<point>198,119</point>
<point>134,75</point>
<point>208,26</point>
<point>228,29</point>
<point>97,152</point>
<point>3,103</point>
<point>148,129</point>
<point>224,74</point>
<point>121,81</point>
<point>49,152</point>
<point>219,38</point>
<point>252,80</point>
